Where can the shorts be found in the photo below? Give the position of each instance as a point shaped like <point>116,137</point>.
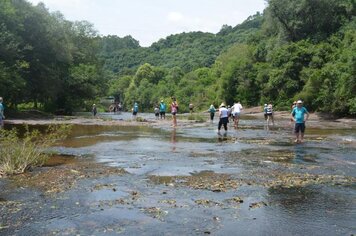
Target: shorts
<point>157,114</point>
<point>174,113</point>
<point>299,127</point>
<point>236,114</point>
<point>134,113</point>
<point>270,114</point>
<point>162,113</point>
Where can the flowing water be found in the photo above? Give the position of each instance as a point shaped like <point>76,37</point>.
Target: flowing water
<point>190,181</point>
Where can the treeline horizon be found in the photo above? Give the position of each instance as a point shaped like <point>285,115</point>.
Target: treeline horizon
<point>295,49</point>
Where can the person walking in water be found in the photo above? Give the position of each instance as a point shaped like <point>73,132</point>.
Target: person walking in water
<point>265,111</point>
<point>2,116</point>
<point>269,112</point>
<point>191,107</point>
<point>94,110</point>
<point>236,109</point>
<point>223,116</point>
<point>174,110</point>
<point>212,111</point>
<point>292,107</point>
<point>298,117</point>
<point>162,110</point>
<point>134,110</point>
<point>156,110</point>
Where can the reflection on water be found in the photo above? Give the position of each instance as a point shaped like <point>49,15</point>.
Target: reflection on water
<point>174,139</point>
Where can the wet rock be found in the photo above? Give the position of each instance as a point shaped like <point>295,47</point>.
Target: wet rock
<point>236,200</point>
<point>170,201</point>
<point>207,203</point>
<point>207,180</point>
<point>257,205</point>
<point>103,186</point>
<point>61,178</point>
<point>155,212</point>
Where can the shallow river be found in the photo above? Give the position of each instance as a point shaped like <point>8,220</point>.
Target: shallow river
<point>190,181</point>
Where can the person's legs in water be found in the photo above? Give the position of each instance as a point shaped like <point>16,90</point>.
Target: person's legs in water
<point>174,117</point>
<point>219,125</point>
<point>225,125</point>
<point>297,130</point>
<point>302,129</point>
<point>237,119</point>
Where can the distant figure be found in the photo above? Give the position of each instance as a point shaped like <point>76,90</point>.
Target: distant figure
<point>292,107</point>
<point>2,116</point>
<point>236,109</point>
<point>112,108</point>
<point>212,111</point>
<point>223,116</point>
<point>162,110</point>
<point>298,117</point>
<point>269,112</point>
<point>176,102</point>
<point>174,110</point>
<point>119,107</point>
<point>94,110</point>
<point>135,110</point>
<point>265,111</point>
<point>156,110</point>
<point>191,107</point>
<point>229,112</point>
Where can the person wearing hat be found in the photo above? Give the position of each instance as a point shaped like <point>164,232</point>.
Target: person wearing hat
<point>212,111</point>
<point>135,110</point>
<point>224,117</point>
<point>298,117</point>
<point>265,111</point>
<point>94,110</point>
<point>162,110</point>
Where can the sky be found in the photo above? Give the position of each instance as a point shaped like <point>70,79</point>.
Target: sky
<point>150,20</point>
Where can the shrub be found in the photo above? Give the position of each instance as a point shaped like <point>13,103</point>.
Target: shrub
<point>18,154</point>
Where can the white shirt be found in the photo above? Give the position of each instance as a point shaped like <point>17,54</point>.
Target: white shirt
<point>223,112</point>
<point>236,108</point>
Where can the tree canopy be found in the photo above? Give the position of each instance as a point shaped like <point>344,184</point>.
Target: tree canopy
<point>295,49</point>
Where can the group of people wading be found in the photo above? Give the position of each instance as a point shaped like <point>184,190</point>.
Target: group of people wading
<point>225,113</point>
<point>299,115</point>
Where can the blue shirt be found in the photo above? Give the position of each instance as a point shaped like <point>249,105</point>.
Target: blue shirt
<point>1,110</point>
<point>162,107</point>
<point>298,114</point>
<point>135,108</point>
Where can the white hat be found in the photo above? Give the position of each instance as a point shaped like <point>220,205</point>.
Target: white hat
<point>299,101</point>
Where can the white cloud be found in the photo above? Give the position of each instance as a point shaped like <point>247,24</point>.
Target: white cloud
<point>148,21</point>
<point>175,16</point>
